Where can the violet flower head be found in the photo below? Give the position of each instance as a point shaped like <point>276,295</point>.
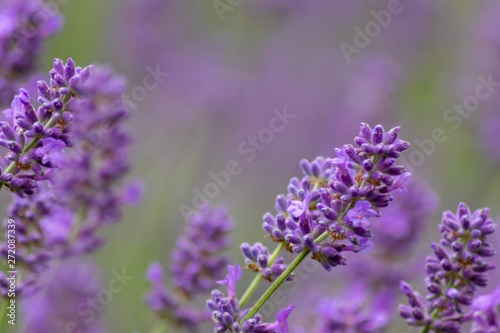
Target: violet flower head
<point>198,260</point>
<point>455,273</point>
<point>22,34</point>
<point>257,259</point>
<point>339,196</point>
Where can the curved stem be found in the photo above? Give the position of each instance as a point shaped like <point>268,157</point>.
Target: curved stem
<point>251,289</point>
<point>275,285</point>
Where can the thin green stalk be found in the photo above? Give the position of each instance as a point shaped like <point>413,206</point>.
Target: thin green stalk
<point>251,289</point>
<point>275,285</point>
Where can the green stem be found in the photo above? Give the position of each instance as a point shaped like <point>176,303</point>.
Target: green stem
<point>251,289</point>
<point>275,285</point>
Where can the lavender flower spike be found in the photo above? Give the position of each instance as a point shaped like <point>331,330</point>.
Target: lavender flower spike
<point>198,260</point>
<point>257,259</point>
<point>454,274</point>
<point>338,197</point>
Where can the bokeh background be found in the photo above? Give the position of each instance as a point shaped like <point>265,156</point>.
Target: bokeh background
<point>228,73</point>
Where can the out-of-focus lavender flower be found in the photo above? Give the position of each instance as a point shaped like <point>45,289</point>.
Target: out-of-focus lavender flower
<point>65,300</point>
<point>355,311</point>
<point>76,139</point>
<point>25,24</point>
<point>338,196</point>
<point>197,261</point>
<point>167,306</point>
<point>454,274</point>
<point>89,180</point>
<point>486,313</point>
<point>257,259</point>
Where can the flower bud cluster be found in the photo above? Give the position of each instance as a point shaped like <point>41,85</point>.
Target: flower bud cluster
<point>455,273</point>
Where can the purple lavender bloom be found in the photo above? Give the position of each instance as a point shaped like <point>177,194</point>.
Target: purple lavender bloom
<point>90,178</point>
<point>23,29</point>
<point>339,196</point>
<point>197,260</point>
<point>84,112</point>
<point>65,295</point>
<point>455,273</point>
<point>257,259</point>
